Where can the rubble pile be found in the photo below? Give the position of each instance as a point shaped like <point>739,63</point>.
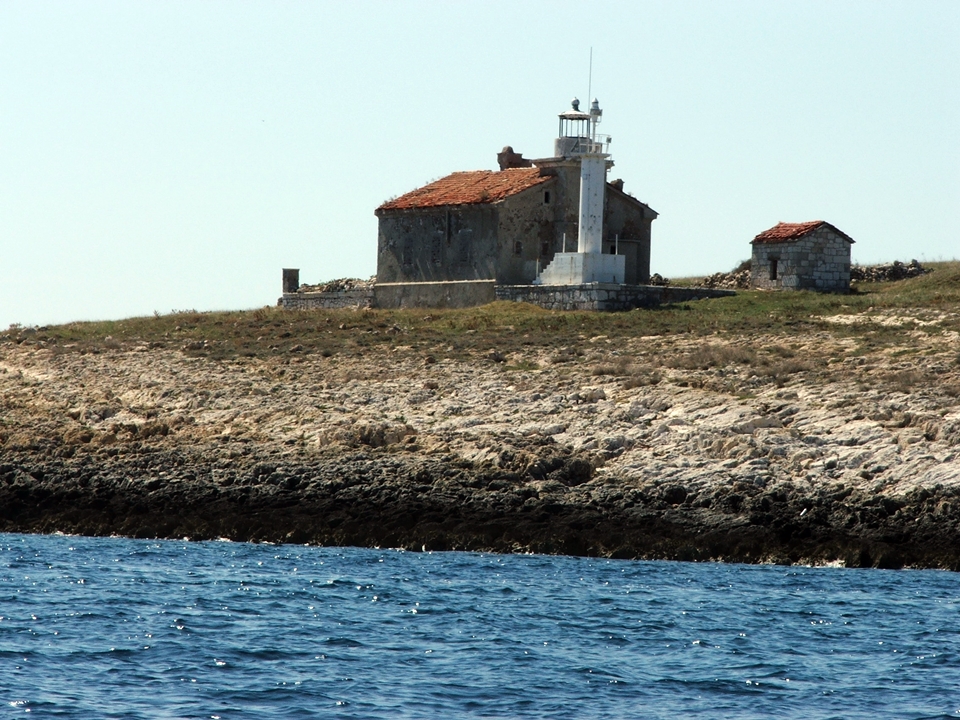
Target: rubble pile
<point>658,280</point>
<point>887,272</point>
<point>340,285</point>
<point>737,280</point>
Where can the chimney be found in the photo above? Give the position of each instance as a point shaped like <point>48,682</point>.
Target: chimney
<point>507,159</point>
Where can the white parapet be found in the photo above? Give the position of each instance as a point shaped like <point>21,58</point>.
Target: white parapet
<point>593,181</point>
<point>583,268</point>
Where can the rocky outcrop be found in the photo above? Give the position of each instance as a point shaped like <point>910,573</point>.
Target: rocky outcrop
<point>546,503</point>
<point>815,448</point>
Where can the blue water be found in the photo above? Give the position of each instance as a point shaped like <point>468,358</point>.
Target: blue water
<point>116,628</point>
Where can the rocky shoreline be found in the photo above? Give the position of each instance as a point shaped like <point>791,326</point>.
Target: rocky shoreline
<point>365,499</point>
<point>818,447</point>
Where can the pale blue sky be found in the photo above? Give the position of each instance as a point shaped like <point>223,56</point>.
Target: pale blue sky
<point>176,155</point>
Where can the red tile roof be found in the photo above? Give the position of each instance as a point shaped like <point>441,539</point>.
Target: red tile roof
<point>789,232</point>
<point>469,188</point>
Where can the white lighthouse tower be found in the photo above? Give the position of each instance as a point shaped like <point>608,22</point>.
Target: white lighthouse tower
<point>579,141</point>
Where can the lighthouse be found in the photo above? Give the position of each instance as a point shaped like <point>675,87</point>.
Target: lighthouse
<point>578,141</point>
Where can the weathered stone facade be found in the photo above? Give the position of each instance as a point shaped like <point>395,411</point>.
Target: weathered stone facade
<point>475,226</point>
<point>627,231</point>
<point>801,256</point>
<point>451,294</point>
<point>435,244</point>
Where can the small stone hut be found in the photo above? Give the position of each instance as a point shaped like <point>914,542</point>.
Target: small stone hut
<point>801,256</point>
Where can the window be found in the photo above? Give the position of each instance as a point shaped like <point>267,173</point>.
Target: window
<point>773,268</point>
<point>464,246</point>
<point>518,248</point>
<point>546,197</point>
<point>545,247</point>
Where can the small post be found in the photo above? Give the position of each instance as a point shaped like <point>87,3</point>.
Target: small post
<point>564,242</point>
<point>291,280</point>
<point>616,244</point>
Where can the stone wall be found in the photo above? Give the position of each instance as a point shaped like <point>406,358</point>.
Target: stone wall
<point>819,260</point>
<point>328,300</point>
<point>604,297</point>
<point>456,242</point>
<point>470,293</point>
<point>525,235</point>
<point>452,294</point>
<point>627,218</point>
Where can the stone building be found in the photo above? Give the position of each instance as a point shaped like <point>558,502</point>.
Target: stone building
<point>801,256</point>
<point>552,232</point>
<point>507,225</point>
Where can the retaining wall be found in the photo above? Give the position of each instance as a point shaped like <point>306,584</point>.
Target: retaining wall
<point>470,293</point>
<point>449,294</point>
<point>604,297</point>
<point>329,300</point>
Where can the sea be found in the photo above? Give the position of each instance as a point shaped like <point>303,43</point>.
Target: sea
<point>122,628</point>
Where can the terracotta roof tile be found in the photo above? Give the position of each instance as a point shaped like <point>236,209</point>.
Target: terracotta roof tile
<point>469,188</point>
<point>788,232</point>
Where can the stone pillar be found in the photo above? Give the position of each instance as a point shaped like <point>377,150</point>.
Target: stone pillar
<point>291,280</point>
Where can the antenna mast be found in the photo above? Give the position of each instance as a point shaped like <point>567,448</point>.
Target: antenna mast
<point>590,76</point>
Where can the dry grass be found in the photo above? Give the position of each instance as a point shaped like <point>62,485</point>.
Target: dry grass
<point>634,374</point>
<point>766,318</point>
<point>711,355</point>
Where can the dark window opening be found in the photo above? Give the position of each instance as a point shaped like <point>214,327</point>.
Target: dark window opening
<point>613,249</point>
<point>773,268</point>
<point>545,247</point>
<point>518,248</point>
<point>546,197</point>
<point>464,246</point>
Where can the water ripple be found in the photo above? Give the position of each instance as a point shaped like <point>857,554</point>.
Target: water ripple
<point>147,629</point>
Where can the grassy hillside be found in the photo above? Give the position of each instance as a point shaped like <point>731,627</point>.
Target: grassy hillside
<point>509,327</point>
